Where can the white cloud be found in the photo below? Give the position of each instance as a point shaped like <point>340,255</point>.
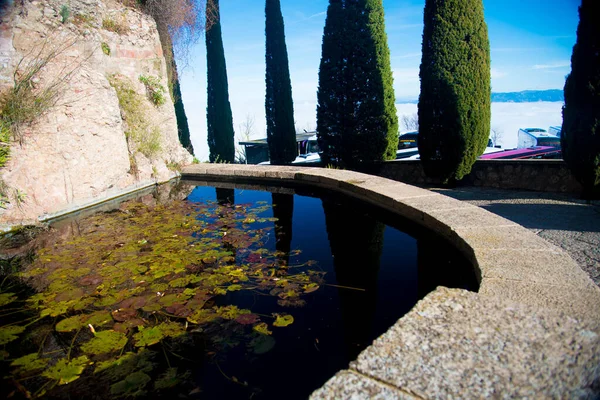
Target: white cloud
<point>558,64</point>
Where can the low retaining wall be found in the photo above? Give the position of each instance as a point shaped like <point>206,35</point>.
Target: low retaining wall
<point>539,175</point>
<point>532,330</point>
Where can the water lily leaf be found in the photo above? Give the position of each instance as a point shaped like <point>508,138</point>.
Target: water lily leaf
<point>262,328</point>
<point>7,298</point>
<point>262,344</point>
<point>247,319</point>
<point>230,312</point>
<point>311,287</point>
<point>98,318</point>
<point>105,342</point>
<point>283,320</point>
<point>132,385</point>
<point>149,336</point>
<point>234,288</point>
<point>70,324</point>
<point>56,309</point>
<point>170,379</point>
<point>65,371</point>
<point>124,314</point>
<point>202,316</point>
<point>10,333</point>
<point>30,362</point>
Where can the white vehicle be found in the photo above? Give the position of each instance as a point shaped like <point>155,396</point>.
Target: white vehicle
<point>532,137</point>
<point>309,152</point>
<point>555,130</point>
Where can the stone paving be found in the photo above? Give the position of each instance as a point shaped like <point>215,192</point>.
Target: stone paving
<point>564,220</point>
<point>531,331</point>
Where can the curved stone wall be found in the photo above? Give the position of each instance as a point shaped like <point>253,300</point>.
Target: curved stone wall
<point>532,330</point>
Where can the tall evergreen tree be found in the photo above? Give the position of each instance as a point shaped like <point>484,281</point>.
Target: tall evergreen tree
<point>183,127</point>
<point>279,106</point>
<point>356,115</point>
<point>218,112</point>
<point>581,112</point>
<point>454,104</point>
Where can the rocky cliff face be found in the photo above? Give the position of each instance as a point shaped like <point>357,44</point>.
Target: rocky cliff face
<point>86,147</point>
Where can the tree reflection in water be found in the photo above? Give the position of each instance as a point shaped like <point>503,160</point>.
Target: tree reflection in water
<point>356,242</point>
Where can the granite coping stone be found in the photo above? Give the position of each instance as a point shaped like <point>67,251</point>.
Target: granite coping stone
<point>532,330</point>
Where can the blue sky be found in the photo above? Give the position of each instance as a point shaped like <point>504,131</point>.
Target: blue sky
<point>531,43</point>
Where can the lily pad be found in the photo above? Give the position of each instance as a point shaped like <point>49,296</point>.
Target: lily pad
<point>149,336</point>
<point>262,344</point>
<point>70,324</point>
<point>170,379</point>
<point>262,328</point>
<point>30,362</point>
<point>105,342</point>
<point>133,385</point>
<point>7,298</point>
<point>283,320</point>
<point>10,333</point>
<point>65,371</point>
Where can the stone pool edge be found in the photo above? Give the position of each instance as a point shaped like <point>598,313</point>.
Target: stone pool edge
<point>532,329</point>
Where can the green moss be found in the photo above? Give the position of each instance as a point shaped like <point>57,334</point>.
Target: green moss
<point>145,138</point>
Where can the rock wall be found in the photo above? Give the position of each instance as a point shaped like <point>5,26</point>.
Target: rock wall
<point>77,153</point>
<point>538,175</point>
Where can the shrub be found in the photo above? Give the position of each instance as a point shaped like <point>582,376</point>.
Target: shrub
<point>581,112</point>
<point>64,14</point>
<point>83,19</point>
<point>454,104</point>
<point>356,115</point>
<point>156,92</point>
<point>117,26</point>
<point>141,135</point>
<point>31,96</point>
<point>4,145</point>
<point>105,48</point>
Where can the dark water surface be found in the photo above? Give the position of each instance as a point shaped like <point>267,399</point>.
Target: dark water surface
<point>363,269</point>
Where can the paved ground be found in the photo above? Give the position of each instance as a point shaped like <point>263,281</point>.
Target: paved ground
<point>561,219</point>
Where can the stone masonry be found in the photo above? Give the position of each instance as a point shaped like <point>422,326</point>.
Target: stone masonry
<point>77,153</point>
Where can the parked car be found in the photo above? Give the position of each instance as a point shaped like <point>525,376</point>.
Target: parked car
<point>533,137</point>
<point>408,140</point>
<point>555,130</point>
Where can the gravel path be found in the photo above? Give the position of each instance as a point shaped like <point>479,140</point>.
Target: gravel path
<point>561,219</point>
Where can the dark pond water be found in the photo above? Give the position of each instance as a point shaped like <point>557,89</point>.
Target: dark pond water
<point>227,294</point>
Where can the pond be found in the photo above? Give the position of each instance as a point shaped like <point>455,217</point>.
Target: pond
<point>193,291</point>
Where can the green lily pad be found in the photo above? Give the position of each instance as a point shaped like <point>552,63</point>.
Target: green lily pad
<point>132,386</point>
<point>149,336</point>
<point>7,298</point>
<point>283,320</point>
<point>30,362</point>
<point>105,342</point>
<point>170,379</point>
<point>70,324</point>
<point>262,328</point>
<point>262,344</point>
<point>10,333</point>
<point>65,371</point>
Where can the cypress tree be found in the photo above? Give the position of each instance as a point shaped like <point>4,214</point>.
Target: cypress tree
<point>356,115</point>
<point>454,104</point>
<point>581,112</point>
<point>279,107</point>
<point>218,110</point>
<point>182,122</point>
